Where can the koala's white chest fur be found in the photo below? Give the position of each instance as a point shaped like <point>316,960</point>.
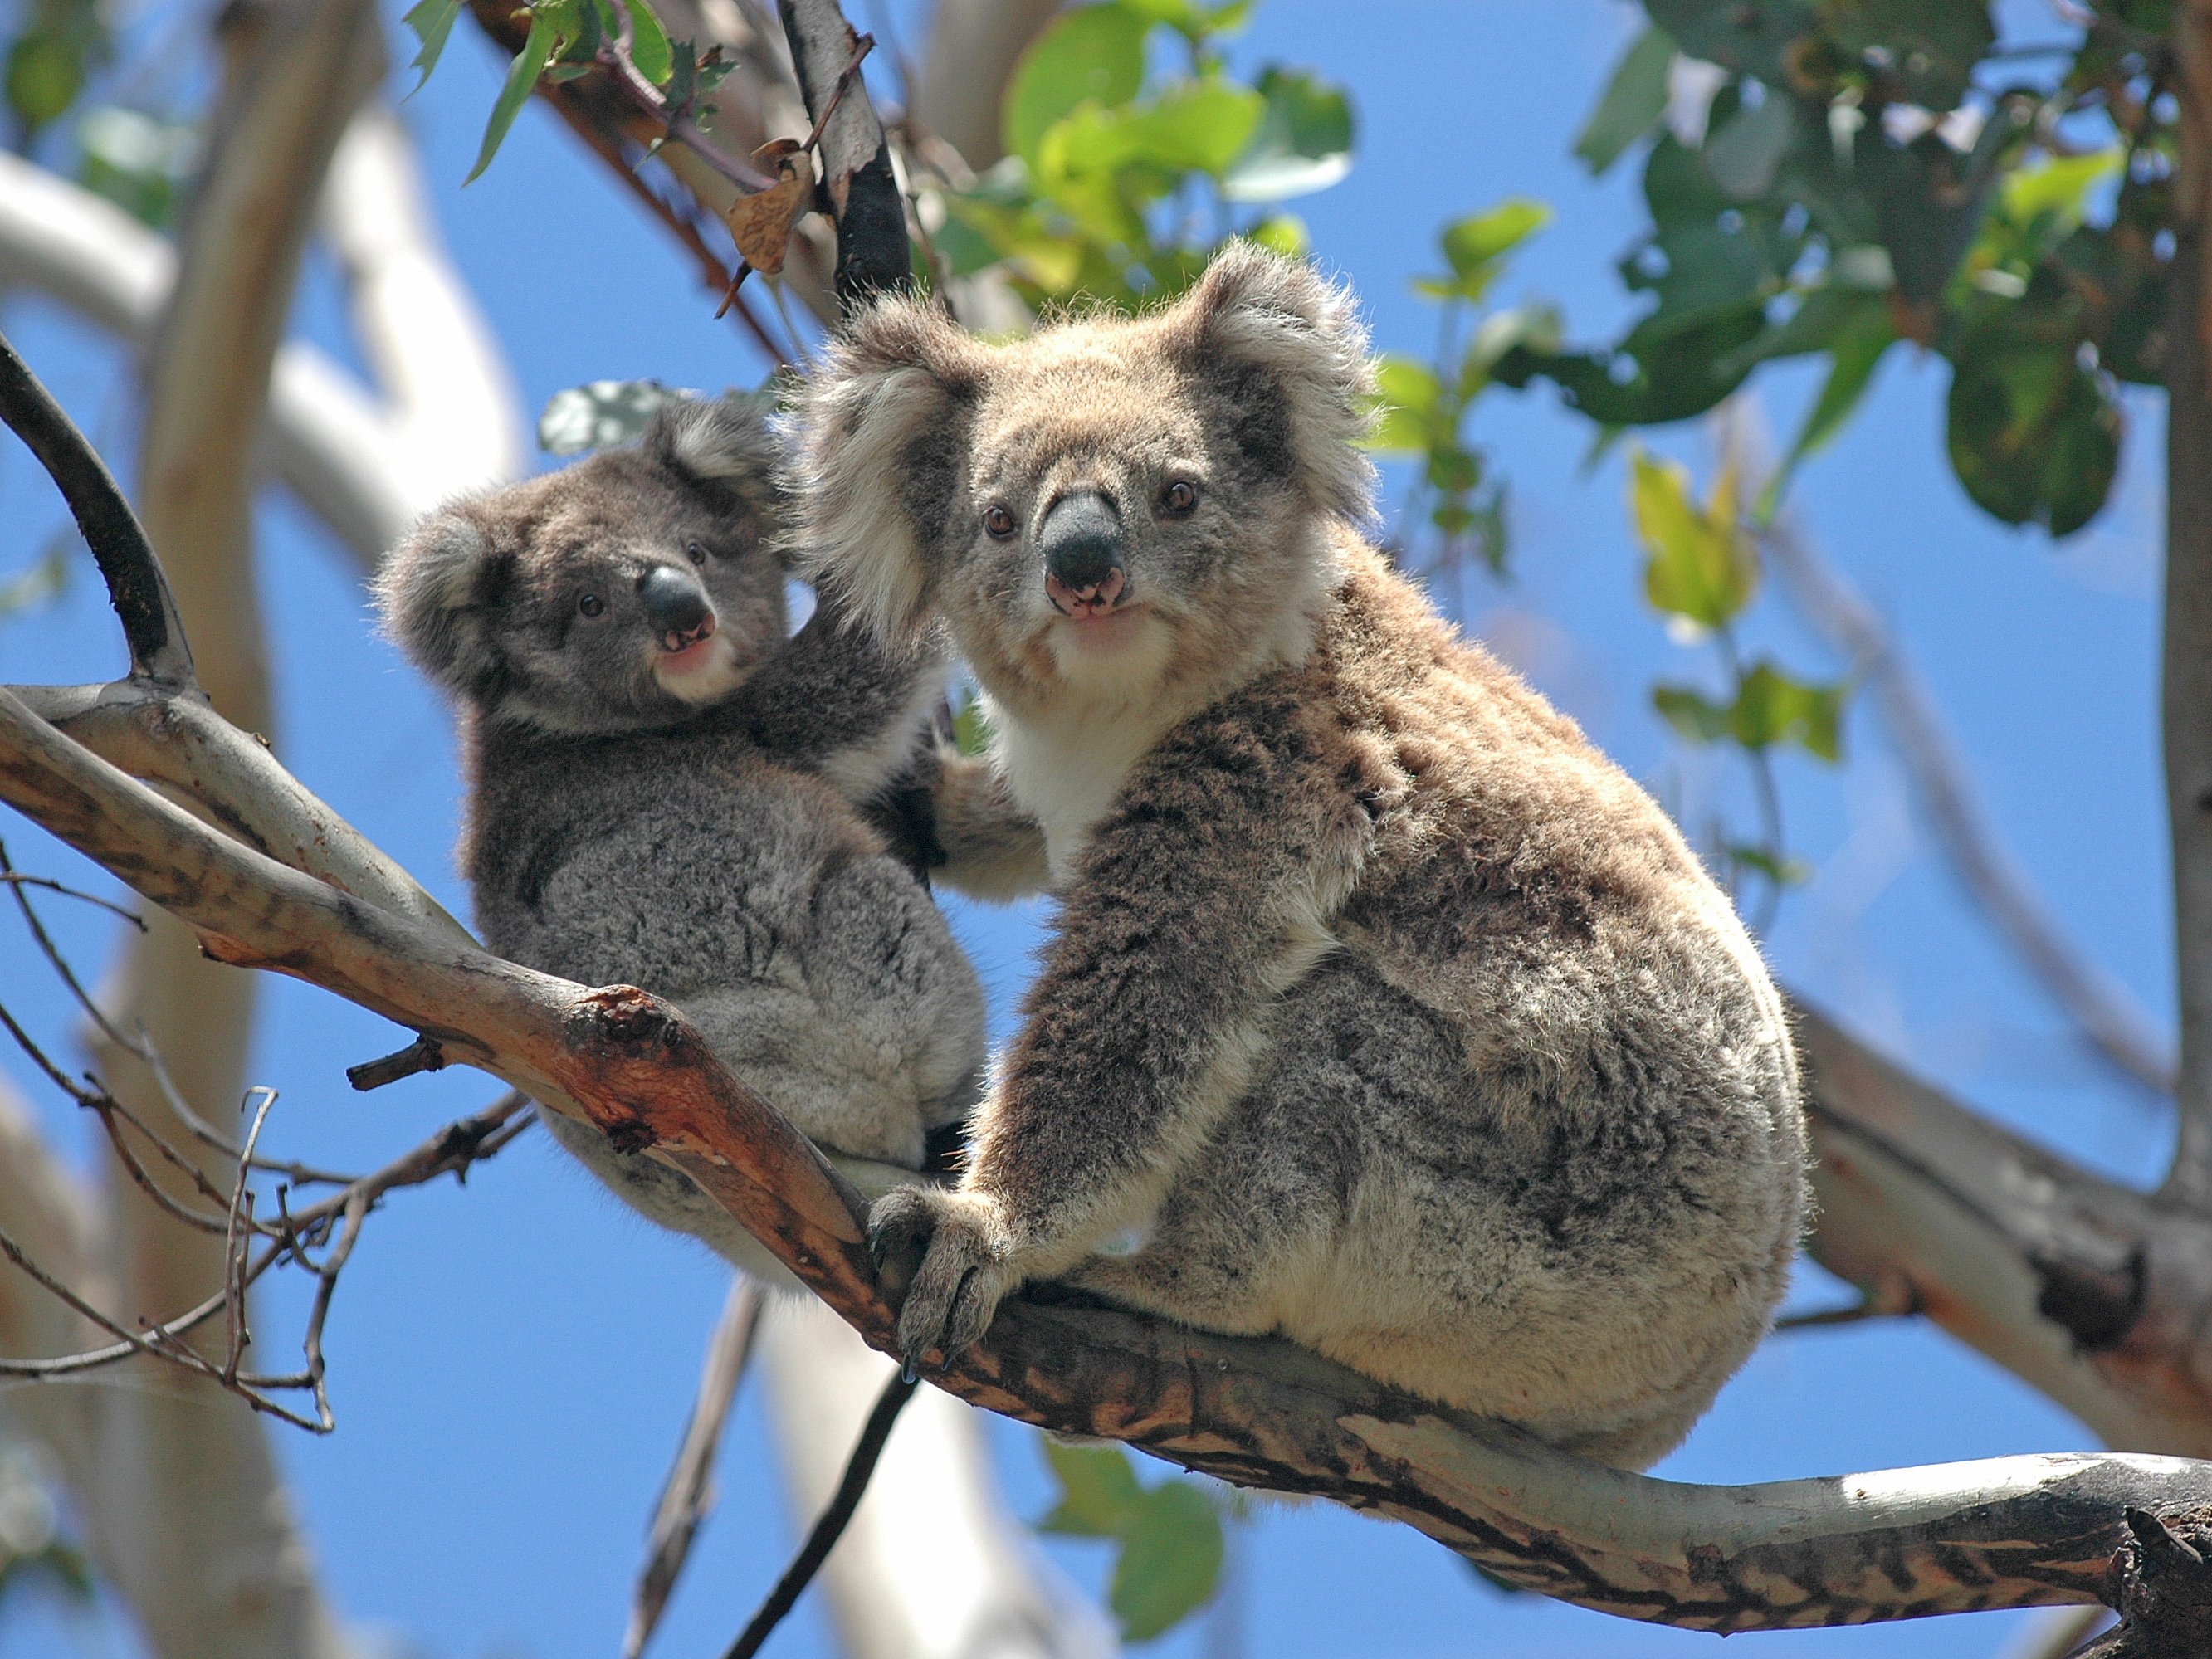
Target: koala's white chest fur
<point>1064,770</point>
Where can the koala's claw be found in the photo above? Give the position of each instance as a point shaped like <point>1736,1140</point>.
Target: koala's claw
<point>963,1271</point>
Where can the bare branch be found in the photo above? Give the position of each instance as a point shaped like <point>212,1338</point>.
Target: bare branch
<point>450,403</point>
<point>2116,1027</point>
<point>325,440</point>
<point>932,1565</point>
<point>2185,701</point>
<point>688,1494</point>
<point>831,1525</point>
<point>857,182</point>
<point>135,580</point>
<point>2085,1289</point>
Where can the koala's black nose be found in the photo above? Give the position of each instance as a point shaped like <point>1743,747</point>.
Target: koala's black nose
<point>1081,537</point>
<point>675,607</point>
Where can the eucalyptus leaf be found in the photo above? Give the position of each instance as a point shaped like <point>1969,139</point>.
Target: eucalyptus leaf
<point>1633,100</point>
<point>1302,143</point>
<point>648,46</point>
<point>433,23</point>
<point>1092,54</point>
<point>1699,564</point>
<point>1099,1495</point>
<point>1170,1561</point>
<point>521,77</point>
<point>601,414</point>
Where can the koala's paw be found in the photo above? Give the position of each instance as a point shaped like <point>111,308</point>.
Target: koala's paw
<point>965,1267</point>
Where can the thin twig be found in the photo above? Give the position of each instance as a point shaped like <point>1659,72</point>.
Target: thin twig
<point>831,1525</point>
<point>13,879</point>
<point>862,45</point>
<point>688,1494</point>
<point>683,124</point>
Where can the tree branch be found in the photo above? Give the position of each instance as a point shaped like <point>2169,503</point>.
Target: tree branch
<point>450,403</point>
<point>325,440</point>
<point>2116,1026</point>
<point>857,188</point>
<point>2087,1290</point>
<point>689,1492</point>
<point>136,583</point>
<point>933,1566</point>
<point>2186,704</point>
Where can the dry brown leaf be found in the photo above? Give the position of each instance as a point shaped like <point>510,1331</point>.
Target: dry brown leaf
<point>762,222</point>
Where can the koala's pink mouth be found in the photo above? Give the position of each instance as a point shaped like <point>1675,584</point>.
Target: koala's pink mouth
<point>1084,604</point>
<point>689,658</point>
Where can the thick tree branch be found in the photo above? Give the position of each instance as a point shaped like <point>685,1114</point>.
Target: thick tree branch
<point>2094,1293</point>
<point>2186,698</point>
<point>450,403</point>
<point>325,440</point>
<point>238,1578</point>
<point>858,189</point>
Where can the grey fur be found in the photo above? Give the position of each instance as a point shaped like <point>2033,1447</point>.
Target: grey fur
<point>1383,1012</point>
<point>698,834</point>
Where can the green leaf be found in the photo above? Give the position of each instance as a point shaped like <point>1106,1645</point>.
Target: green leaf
<point>1744,155</point>
<point>1699,564</point>
<point>433,23</point>
<point>971,736</point>
<point>40,583</point>
<point>1407,400</point>
<point>136,160</point>
<point>2059,185</point>
<point>1857,352</point>
<point>1303,144</point>
<point>521,77</point>
<point>1772,707</point>
<point>648,44</point>
<point>1782,871</point>
<point>2032,434</point>
<point>1099,1495</point>
<point>1170,1561</point>
<point>1631,104</point>
<point>600,414</point>
<point>1474,246</point>
<point>1092,54</point>
<point>46,67</point>
<point>1928,47</point>
<point>1195,126</point>
<point>1690,712</point>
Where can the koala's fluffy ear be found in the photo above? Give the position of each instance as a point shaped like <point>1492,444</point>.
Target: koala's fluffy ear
<point>432,591</point>
<point>1280,320</point>
<point>721,441</point>
<point>881,441</point>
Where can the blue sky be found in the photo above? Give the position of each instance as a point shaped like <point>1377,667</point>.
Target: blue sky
<point>512,1362</point>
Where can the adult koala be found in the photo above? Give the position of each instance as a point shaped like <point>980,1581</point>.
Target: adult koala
<point>1383,1012</point>
<point>665,790</point>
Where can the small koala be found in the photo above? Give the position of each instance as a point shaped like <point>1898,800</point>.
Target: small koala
<point>665,791</point>
<point>1383,1012</point>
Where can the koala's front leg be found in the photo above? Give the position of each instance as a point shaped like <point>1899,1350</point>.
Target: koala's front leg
<point>1204,893</point>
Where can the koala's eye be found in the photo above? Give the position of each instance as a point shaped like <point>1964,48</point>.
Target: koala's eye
<point>695,553</point>
<point>998,520</point>
<point>1179,499</point>
<point>591,605</point>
